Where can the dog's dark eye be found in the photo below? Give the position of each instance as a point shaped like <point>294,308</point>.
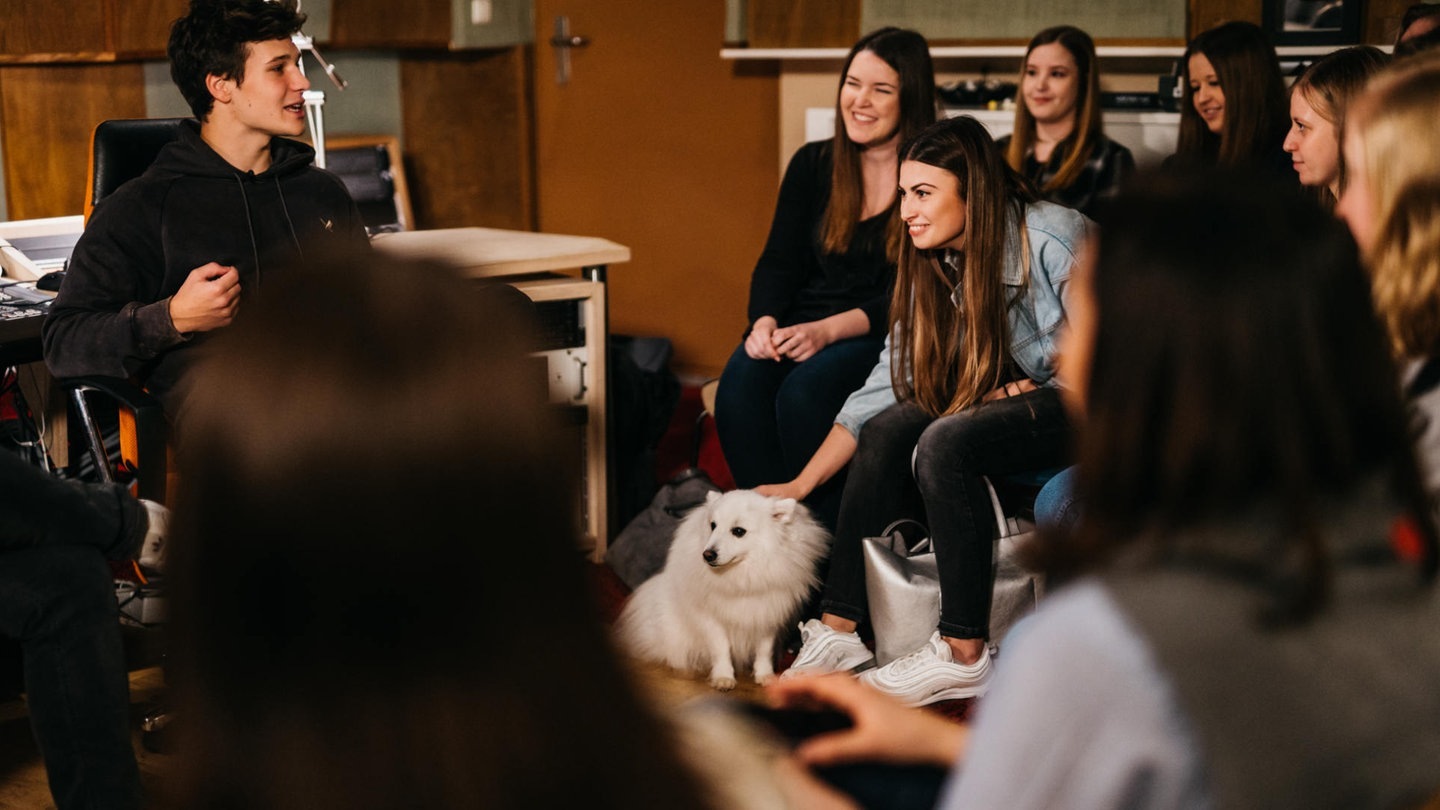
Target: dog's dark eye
<point>712,525</point>
<point>738,532</point>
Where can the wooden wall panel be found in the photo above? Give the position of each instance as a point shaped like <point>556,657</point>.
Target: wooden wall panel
<point>142,27</point>
<point>388,24</point>
<point>803,23</point>
<point>1206,14</point>
<point>52,26</point>
<point>467,136</point>
<point>47,113</point>
<point>1382,20</point>
<point>1382,17</point>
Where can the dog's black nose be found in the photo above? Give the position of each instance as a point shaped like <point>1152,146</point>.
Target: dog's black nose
<point>709,555</point>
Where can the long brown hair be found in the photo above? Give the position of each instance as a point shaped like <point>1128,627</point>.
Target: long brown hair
<point>908,54</point>
<point>379,597</point>
<point>1256,115</point>
<point>947,353</point>
<point>1237,371</point>
<point>1089,128</point>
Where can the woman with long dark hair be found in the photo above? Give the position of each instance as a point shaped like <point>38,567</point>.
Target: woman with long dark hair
<point>964,389</point>
<point>1059,139</point>
<point>820,293</point>
<point>1233,112</point>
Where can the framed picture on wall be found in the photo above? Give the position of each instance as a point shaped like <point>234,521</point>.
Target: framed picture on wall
<point>1313,22</point>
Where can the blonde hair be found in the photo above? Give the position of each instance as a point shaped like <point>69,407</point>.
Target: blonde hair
<point>1330,84</point>
<point>1395,122</point>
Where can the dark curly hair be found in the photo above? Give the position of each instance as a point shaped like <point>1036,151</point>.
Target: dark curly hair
<point>214,38</point>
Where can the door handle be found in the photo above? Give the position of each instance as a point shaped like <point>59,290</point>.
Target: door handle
<point>562,42</point>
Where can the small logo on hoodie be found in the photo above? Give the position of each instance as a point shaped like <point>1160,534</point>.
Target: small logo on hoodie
<point>328,223</point>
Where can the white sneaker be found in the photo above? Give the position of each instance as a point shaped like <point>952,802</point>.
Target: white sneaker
<point>152,548</point>
<point>930,675</point>
<point>825,649</point>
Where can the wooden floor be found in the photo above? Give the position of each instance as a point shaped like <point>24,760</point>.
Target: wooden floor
<point>22,775</point>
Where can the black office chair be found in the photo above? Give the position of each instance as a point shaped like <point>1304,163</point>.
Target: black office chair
<point>121,150</point>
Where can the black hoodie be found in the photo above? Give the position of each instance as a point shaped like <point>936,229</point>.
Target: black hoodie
<point>112,315</point>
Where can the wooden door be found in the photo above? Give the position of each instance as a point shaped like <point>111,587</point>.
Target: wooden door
<point>659,144</point>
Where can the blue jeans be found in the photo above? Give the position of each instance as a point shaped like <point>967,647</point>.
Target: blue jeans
<point>1056,506</point>
<point>946,491</point>
<point>57,598</point>
<point>772,416</point>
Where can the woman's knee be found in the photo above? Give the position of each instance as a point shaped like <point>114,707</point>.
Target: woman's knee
<point>946,445</point>
<point>747,386</point>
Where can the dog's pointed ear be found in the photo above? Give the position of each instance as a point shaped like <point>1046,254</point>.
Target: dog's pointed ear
<point>783,509</point>
<point>711,496</point>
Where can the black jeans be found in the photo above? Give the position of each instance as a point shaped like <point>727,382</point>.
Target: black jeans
<point>57,598</point>
<point>772,416</point>
<point>946,492</point>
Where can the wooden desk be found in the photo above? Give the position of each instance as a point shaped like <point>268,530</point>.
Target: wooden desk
<point>578,375</point>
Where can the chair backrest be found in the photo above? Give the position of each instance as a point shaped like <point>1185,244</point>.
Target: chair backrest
<point>121,149</point>
<point>373,171</point>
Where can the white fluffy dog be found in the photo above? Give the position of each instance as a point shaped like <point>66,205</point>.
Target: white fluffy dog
<point>738,572</point>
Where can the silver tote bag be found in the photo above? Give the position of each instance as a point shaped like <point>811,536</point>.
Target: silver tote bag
<point>902,584</point>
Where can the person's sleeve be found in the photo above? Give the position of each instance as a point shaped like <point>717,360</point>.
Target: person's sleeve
<point>1079,716</point>
<point>1118,165</point>
<point>874,396</point>
<point>877,309</point>
<point>780,272</point>
<point>38,510</point>
<point>108,318</point>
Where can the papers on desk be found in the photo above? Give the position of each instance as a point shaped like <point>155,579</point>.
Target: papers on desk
<point>31,248</point>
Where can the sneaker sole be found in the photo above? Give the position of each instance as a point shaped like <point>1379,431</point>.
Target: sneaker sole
<point>855,670</point>
<point>953,693</point>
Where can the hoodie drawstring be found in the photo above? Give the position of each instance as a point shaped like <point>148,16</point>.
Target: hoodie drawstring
<point>250,225</point>
<point>250,229</point>
<point>289,223</point>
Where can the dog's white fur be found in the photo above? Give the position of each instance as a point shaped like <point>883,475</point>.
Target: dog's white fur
<point>698,614</point>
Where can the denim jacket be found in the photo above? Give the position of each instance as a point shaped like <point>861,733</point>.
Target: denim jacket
<point>1035,318</point>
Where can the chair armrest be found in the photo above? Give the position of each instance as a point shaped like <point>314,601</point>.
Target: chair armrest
<point>152,429</point>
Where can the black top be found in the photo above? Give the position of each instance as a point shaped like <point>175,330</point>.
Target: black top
<point>189,208</point>
<point>1109,164</point>
<point>795,281</point>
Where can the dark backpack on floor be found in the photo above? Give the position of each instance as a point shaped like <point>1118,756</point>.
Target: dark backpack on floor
<point>639,551</point>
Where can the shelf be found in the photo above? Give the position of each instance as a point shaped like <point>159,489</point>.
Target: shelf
<point>954,52</point>
<point>1007,52</point>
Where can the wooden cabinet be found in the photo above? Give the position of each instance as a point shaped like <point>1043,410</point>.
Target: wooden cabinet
<point>85,30</point>
<point>430,24</point>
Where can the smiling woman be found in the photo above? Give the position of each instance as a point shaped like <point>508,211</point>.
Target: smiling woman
<point>964,389</point>
<point>1059,141</point>
<point>820,293</point>
<point>1234,111</point>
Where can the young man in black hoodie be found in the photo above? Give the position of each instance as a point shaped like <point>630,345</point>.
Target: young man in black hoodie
<point>172,255</point>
